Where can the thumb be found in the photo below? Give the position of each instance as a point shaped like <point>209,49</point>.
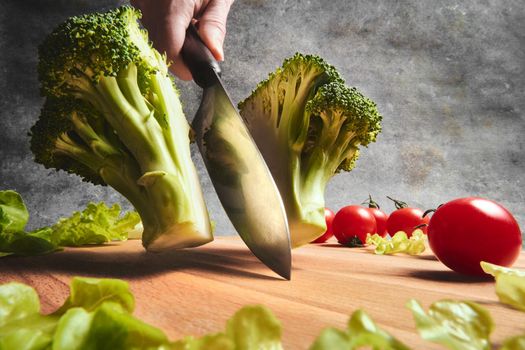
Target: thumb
<point>212,26</point>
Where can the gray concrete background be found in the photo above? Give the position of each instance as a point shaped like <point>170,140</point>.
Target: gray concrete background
<point>448,76</point>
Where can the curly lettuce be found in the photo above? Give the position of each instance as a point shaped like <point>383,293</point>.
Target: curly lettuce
<point>510,284</point>
<point>399,243</point>
<point>13,220</point>
<point>98,315</point>
<point>96,224</point>
<point>361,332</point>
<point>458,325</point>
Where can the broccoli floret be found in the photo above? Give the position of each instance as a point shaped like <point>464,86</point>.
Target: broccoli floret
<point>308,126</point>
<point>112,115</point>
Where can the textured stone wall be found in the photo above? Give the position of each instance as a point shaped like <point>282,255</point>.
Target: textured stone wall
<point>448,76</point>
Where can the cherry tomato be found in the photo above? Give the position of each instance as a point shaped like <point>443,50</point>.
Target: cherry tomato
<point>381,219</point>
<point>466,231</point>
<point>329,218</point>
<point>406,220</point>
<point>351,225</point>
<point>380,216</point>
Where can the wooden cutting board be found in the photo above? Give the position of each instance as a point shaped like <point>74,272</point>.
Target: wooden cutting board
<point>193,292</point>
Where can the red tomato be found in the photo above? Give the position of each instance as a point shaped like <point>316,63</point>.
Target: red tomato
<point>379,215</point>
<point>353,222</point>
<point>466,231</point>
<point>381,219</point>
<point>329,218</point>
<point>406,219</point>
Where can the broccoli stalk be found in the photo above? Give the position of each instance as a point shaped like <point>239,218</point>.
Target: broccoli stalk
<point>113,116</point>
<point>308,126</point>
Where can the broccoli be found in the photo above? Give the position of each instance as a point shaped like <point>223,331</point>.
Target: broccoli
<point>112,115</point>
<point>308,126</point>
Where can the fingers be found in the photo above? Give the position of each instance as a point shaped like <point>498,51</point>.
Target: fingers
<point>167,21</point>
<point>175,32</point>
<point>212,26</point>
<point>172,34</point>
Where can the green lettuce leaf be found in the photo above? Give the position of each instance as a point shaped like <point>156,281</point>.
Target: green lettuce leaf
<point>90,293</point>
<point>361,332</point>
<point>514,343</point>
<point>96,224</point>
<point>25,339</point>
<point>72,329</point>
<point>21,324</point>
<point>97,315</point>
<point>13,219</point>
<point>108,327</point>
<point>30,243</point>
<point>27,243</point>
<point>218,341</point>
<point>13,212</point>
<point>511,291</point>
<point>17,301</point>
<point>255,327</point>
<point>458,325</point>
<point>332,339</point>
<point>136,231</point>
<point>399,243</point>
<point>510,284</point>
<point>496,270</point>
<point>252,327</point>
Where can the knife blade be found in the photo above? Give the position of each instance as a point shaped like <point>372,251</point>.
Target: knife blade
<point>239,174</point>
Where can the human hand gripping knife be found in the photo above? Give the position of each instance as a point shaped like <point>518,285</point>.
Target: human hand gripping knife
<point>237,170</point>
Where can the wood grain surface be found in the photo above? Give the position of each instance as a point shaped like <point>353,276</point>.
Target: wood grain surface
<point>193,292</point>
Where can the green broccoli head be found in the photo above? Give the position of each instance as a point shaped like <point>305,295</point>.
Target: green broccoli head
<point>341,119</point>
<point>56,144</point>
<point>112,115</point>
<point>279,101</point>
<point>86,48</point>
<point>309,126</point>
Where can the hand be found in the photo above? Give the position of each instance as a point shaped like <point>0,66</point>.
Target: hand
<point>167,21</point>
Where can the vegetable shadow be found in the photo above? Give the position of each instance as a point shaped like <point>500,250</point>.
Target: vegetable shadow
<point>139,264</point>
<point>341,246</point>
<point>448,276</point>
<point>333,245</point>
<point>370,249</point>
<point>426,257</point>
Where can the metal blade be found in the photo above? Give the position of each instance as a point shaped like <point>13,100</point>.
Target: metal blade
<point>242,180</point>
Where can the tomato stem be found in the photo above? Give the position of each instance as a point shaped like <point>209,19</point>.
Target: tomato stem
<point>399,204</point>
<point>355,242</point>
<point>428,211</point>
<point>371,203</point>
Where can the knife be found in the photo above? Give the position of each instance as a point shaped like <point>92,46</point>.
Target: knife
<point>241,178</point>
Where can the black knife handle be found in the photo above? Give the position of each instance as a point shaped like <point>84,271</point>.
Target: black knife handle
<point>199,59</point>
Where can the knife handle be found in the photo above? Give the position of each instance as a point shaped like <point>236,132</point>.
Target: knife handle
<point>199,59</point>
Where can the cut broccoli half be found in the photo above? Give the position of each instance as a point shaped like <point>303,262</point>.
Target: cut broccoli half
<point>308,126</point>
<point>113,116</point>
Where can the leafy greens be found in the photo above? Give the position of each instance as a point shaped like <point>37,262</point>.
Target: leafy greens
<point>510,284</point>
<point>98,315</point>
<point>96,224</point>
<point>399,243</point>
